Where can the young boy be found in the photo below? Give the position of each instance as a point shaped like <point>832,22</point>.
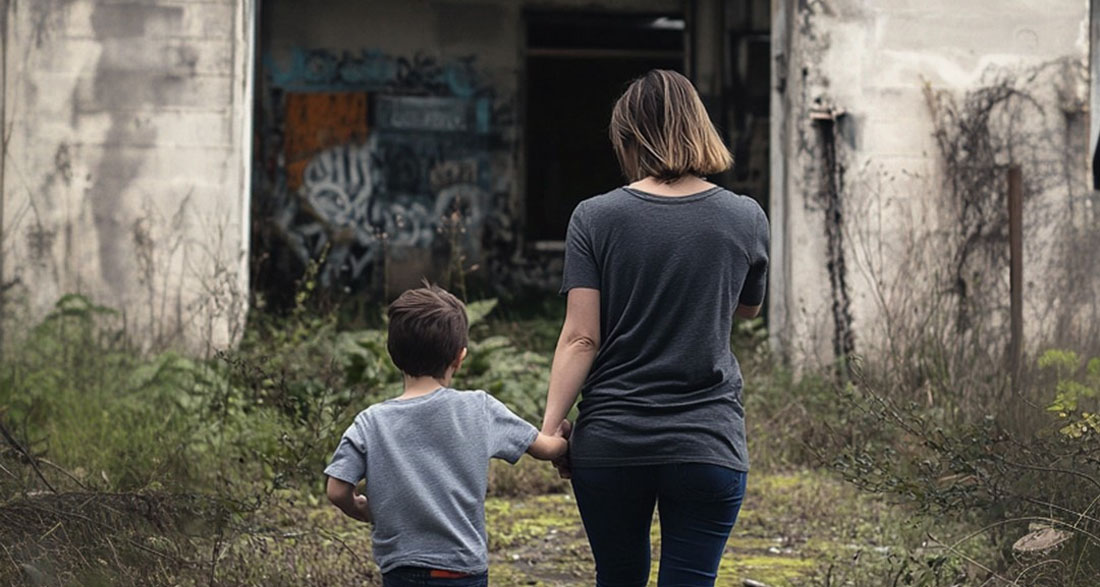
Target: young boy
<point>425,455</point>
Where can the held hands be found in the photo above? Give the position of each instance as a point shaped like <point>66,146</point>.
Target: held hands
<point>551,447</point>
<point>565,429</point>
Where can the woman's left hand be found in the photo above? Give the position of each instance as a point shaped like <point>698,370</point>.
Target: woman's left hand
<point>562,463</point>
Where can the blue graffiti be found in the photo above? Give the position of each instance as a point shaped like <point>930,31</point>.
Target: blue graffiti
<point>370,70</point>
<point>319,70</point>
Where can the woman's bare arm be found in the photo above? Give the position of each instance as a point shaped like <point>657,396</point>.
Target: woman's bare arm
<point>548,448</point>
<point>576,350</point>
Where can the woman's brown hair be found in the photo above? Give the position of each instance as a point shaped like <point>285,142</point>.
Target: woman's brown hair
<point>660,128</point>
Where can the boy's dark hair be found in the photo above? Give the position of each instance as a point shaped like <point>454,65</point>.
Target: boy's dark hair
<point>427,331</point>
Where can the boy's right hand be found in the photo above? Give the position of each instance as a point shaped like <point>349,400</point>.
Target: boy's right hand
<point>342,495</point>
<point>363,507</point>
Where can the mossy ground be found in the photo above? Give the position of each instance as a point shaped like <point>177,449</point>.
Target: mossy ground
<point>794,529</point>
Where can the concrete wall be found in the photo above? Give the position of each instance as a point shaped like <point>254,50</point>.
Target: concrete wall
<point>868,226</point>
<point>126,167</point>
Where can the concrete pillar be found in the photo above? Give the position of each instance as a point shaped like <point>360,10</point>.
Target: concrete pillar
<point>126,177</point>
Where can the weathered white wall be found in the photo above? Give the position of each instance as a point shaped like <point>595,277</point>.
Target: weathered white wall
<point>875,61</point>
<point>127,164</point>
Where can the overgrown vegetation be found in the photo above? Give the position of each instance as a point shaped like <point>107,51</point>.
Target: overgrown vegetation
<point>942,428</point>
<point>118,466</point>
<point>161,469</point>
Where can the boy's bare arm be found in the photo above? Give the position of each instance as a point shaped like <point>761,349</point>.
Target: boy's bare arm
<point>342,495</point>
<point>548,448</point>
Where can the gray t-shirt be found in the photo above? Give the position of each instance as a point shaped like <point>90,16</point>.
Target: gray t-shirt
<point>664,386</point>
<point>426,462</point>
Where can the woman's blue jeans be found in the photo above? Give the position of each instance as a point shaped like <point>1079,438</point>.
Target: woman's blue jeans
<point>697,504</point>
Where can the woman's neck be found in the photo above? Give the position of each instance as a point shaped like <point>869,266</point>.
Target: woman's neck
<point>682,186</point>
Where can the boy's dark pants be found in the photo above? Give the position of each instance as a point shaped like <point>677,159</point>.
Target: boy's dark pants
<point>697,503</point>
<point>417,577</point>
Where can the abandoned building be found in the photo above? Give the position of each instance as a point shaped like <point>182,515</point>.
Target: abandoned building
<point>170,158</point>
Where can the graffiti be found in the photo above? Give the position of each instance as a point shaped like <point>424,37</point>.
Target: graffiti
<point>316,121</point>
<point>340,212</point>
<point>425,113</point>
<point>426,75</point>
<point>337,192</point>
<point>338,185</point>
<point>320,70</point>
<point>447,173</point>
<point>367,156</point>
<point>373,71</point>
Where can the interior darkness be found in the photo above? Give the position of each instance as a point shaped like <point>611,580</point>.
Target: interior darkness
<point>577,66</point>
<point>604,31</point>
<point>748,99</point>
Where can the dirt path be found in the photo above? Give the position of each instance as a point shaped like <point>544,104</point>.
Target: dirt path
<point>792,529</point>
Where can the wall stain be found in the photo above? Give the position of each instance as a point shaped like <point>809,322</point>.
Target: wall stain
<point>45,15</point>
<point>119,88</point>
<point>832,188</point>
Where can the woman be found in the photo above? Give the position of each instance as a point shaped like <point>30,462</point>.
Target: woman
<point>655,272</point>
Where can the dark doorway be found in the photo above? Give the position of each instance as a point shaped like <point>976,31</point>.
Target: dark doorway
<point>578,64</point>
<point>748,97</point>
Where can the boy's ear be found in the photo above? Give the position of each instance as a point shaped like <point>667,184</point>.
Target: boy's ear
<point>460,358</point>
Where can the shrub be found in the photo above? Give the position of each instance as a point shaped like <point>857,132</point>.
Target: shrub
<point>1031,493</point>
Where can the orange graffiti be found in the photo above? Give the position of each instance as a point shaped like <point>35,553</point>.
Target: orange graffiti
<point>318,120</point>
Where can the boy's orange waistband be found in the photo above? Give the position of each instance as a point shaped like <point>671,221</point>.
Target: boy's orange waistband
<point>445,574</point>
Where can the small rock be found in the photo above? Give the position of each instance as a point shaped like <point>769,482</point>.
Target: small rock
<point>1041,540</point>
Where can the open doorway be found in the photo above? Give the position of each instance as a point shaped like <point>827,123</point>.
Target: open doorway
<point>746,120</point>
<point>578,63</point>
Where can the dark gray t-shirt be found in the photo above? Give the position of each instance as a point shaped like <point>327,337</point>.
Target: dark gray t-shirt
<point>426,462</point>
<point>665,387</point>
